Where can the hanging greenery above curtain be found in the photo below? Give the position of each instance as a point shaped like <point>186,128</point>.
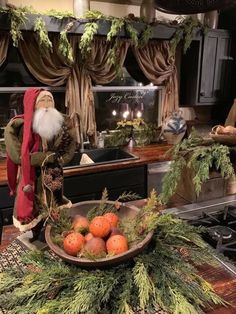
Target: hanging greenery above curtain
<point>76,61</point>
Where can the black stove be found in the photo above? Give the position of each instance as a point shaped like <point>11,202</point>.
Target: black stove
<point>218,218</point>
<point>220,230</point>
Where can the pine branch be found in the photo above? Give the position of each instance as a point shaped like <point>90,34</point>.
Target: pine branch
<point>143,283</point>
<point>18,19</point>
<point>90,31</point>
<point>64,45</point>
<point>40,29</point>
<point>146,35</point>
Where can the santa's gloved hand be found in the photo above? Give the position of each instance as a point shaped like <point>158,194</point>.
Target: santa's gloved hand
<point>28,188</point>
<point>38,158</point>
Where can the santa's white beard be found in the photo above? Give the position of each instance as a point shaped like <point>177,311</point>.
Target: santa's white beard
<point>47,122</point>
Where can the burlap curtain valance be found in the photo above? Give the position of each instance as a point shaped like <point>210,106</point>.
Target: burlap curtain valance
<point>4,42</point>
<point>158,65</point>
<point>52,69</point>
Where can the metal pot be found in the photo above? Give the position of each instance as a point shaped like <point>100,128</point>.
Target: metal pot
<point>147,11</point>
<point>211,19</point>
<point>80,7</point>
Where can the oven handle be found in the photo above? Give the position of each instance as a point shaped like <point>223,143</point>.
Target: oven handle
<point>160,167</point>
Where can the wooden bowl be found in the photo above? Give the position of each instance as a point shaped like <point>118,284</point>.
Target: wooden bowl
<point>82,208</point>
<point>225,139</point>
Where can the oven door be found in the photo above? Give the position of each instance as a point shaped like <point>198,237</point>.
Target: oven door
<point>156,173</point>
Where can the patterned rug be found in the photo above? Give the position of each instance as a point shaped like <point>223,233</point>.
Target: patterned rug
<point>11,256</point>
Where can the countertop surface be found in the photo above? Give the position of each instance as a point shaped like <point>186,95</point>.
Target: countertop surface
<point>223,280</point>
<point>147,154</point>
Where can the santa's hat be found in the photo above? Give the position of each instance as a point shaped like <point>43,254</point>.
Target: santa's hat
<point>30,144</point>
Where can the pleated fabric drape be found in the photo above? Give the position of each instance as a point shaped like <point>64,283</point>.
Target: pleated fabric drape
<point>52,69</point>
<point>4,42</point>
<point>158,65</point>
<point>96,69</point>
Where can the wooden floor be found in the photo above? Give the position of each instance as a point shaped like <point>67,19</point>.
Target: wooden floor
<point>8,235</point>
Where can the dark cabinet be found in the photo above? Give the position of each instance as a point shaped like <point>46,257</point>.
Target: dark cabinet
<point>6,206</point>
<point>87,187</point>
<point>90,186</point>
<point>208,70</point>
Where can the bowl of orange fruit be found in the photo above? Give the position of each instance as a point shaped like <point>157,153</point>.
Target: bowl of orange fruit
<point>98,234</point>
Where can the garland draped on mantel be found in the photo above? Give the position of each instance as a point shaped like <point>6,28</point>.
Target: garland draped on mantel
<point>77,70</point>
<point>158,64</point>
<point>4,42</point>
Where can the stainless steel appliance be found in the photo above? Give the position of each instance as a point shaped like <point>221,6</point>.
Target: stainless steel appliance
<point>156,172</point>
<point>219,219</point>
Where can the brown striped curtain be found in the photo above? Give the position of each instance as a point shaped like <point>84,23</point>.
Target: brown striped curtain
<point>52,69</point>
<point>96,69</point>
<point>158,65</point>
<point>4,42</point>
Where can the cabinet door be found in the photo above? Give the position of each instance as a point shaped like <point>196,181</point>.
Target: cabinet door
<point>90,186</point>
<point>217,68</point>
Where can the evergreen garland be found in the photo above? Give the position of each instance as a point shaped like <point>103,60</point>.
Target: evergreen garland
<point>18,18</point>
<point>146,35</point>
<point>199,156</point>
<point>161,277</point>
<point>64,45</point>
<point>133,33</point>
<point>185,32</point>
<point>40,29</point>
<point>90,31</point>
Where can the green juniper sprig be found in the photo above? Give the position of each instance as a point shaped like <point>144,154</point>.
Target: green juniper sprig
<point>40,29</point>
<point>18,18</point>
<point>90,31</point>
<point>200,157</point>
<point>146,35</point>
<point>161,276</point>
<point>64,45</point>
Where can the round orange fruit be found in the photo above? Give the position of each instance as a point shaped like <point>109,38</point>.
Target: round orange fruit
<point>99,227</point>
<point>117,244</point>
<point>80,224</point>
<point>73,243</point>
<point>112,218</point>
<point>95,246</point>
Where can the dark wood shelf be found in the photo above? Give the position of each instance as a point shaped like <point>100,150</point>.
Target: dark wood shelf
<point>160,31</point>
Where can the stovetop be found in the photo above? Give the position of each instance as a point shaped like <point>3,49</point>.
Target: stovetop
<point>218,217</point>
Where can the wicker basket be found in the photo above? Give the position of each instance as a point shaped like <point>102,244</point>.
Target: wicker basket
<point>226,139</point>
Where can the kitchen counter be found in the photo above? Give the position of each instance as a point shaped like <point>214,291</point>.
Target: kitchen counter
<point>223,281</point>
<point>147,154</point>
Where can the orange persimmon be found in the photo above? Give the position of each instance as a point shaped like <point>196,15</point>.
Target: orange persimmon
<point>99,227</point>
<point>117,244</point>
<point>73,243</point>
<point>112,218</point>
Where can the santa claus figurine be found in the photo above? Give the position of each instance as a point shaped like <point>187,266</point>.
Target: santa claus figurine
<point>38,143</point>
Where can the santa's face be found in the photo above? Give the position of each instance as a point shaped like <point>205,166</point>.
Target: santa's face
<point>45,102</point>
<point>47,121</point>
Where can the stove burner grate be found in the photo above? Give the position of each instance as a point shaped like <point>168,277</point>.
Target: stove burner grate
<point>222,232</point>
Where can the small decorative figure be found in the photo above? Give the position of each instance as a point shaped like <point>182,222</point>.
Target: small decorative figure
<point>39,142</point>
<point>174,127</point>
